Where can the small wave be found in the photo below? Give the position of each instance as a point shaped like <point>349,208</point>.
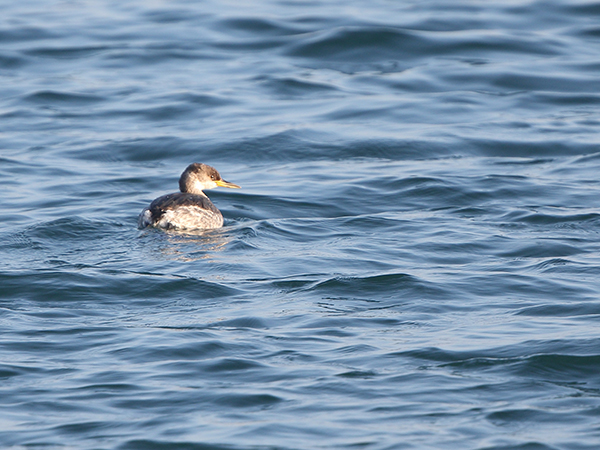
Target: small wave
<point>55,97</point>
<point>86,283</point>
<point>296,87</point>
<point>171,15</point>
<point>259,26</point>
<point>399,286</point>
<point>542,249</point>
<point>547,361</point>
<point>156,55</point>
<point>11,60</point>
<point>171,444</point>
<point>559,367</point>
<point>74,52</point>
<point>518,417</point>
<point>559,217</point>
<point>294,146</point>
<point>362,44</point>
<point>71,229</point>
<point>359,43</point>
<point>560,310</point>
<point>25,33</point>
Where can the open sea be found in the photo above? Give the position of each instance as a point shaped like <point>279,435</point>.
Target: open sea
<point>413,261</point>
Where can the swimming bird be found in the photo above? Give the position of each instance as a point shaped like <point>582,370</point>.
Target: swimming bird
<point>189,209</point>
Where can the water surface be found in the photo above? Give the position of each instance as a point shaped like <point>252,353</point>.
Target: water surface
<point>411,263</point>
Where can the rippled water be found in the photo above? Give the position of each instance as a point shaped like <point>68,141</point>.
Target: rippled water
<point>412,261</point>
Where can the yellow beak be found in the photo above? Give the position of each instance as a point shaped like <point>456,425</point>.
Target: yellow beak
<point>224,183</point>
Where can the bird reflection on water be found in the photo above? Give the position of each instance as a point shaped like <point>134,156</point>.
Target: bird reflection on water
<point>190,245</point>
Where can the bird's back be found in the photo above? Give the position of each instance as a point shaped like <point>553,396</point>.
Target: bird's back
<point>181,211</point>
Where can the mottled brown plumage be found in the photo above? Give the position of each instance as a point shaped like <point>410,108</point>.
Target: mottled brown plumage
<point>189,209</point>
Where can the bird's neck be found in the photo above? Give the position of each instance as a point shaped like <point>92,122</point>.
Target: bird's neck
<point>196,191</point>
<point>191,186</point>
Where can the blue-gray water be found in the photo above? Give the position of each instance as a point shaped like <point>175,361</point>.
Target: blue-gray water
<point>412,261</point>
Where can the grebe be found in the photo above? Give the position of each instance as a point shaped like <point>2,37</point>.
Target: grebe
<point>189,209</point>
